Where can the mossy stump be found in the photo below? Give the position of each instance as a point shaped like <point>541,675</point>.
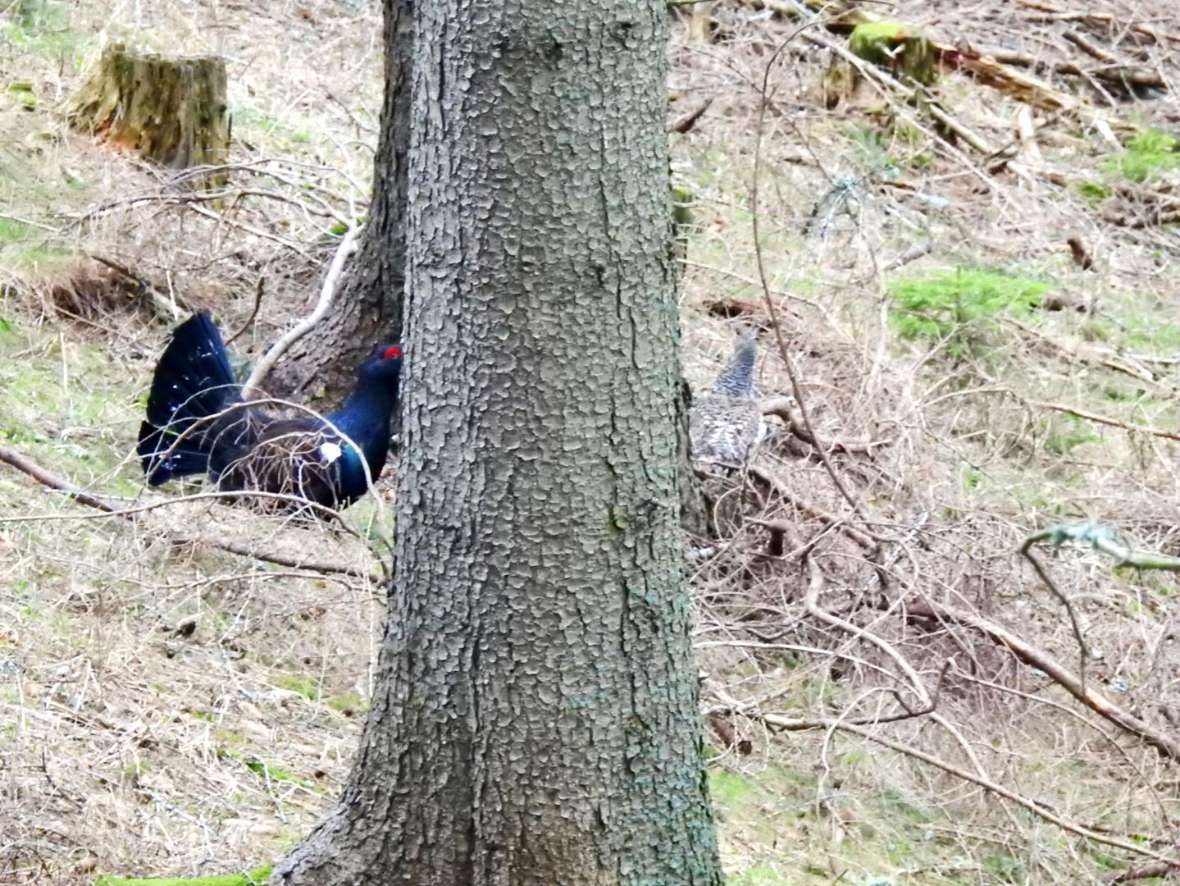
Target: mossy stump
<point>898,48</point>
<point>171,111</point>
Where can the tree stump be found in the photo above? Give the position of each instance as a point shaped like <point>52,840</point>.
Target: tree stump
<point>171,111</point>
<point>898,48</point>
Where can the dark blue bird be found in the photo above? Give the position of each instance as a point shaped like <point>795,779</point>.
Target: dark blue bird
<point>198,423</point>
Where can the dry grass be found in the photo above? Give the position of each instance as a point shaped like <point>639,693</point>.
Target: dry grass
<point>171,709</point>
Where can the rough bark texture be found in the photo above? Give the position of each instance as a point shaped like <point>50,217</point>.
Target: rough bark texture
<point>535,718</point>
<point>369,306</point>
<point>170,110</point>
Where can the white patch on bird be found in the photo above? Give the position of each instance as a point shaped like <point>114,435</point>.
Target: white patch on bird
<point>330,451</point>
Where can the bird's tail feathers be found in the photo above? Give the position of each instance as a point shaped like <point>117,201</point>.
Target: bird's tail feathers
<point>193,382</point>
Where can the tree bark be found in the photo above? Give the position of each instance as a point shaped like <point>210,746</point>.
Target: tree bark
<point>535,717</point>
<point>369,306</point>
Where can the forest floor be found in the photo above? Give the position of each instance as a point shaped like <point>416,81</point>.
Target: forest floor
<point>894,693</point>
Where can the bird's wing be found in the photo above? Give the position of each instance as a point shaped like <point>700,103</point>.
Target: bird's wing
<point>298,457</point>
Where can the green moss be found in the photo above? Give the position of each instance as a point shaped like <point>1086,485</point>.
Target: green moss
<point>1147,155</point>
<point>22,91</point>
<point>899,48</point>
<point>1094,192</point>
<point>256,877</point>
<point>729,788</point>
<point>956,305</point>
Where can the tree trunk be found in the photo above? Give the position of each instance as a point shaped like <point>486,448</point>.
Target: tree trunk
<point>369,305</point>
<point>535,717</point>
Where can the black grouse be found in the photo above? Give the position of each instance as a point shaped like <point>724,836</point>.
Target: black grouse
<point>198,423</point>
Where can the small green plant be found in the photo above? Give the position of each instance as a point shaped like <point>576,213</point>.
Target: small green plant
<point>1067,434</point>
<point>957,305</point>
<point>1148,154</point>
<point>873,148</point>
<point>43,27</point>
<point>1005,868</point>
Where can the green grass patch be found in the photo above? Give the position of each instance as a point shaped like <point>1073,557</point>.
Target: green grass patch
<point>256,877</point>
<point>1147,155</point>
<point>71,413</point>
<point>12,231</point>
<point>274,773</point>
<point>305,686</point>
<point>958,305</point>
<point>348,703</point>
<point>758,876</point>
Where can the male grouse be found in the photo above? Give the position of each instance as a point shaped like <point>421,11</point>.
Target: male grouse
<point>198,423</point>
<point>726,425</point>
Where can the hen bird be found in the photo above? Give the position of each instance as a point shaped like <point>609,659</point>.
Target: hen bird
<point>198,423</point>
<point>726,425</point>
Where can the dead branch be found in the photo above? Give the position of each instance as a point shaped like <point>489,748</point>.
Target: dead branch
<point>861,539</point>
<point>1087,353</point>
<point>1103,419</point>
<point>687,121</point>
<point>764,281</point>
<point>781,408</point>
<point>1101,19</point>
<point>27,466</point>
<point>258,288</point>
<point>1103,539</point>
<point>911,253</point>
<point>815,583</point>
<point>793,724</point>
<point>48,479</point>
<point>1147,871</point>
<point>1035,657</point>
<point>348,245</point>
<point>892,84</point>
<point>1123,75</point>
<point>165,304</point>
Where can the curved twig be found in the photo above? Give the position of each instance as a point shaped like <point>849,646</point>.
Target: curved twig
<point>327,292</point>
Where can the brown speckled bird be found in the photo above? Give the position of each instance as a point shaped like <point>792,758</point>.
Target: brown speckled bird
<point>726,425</point>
